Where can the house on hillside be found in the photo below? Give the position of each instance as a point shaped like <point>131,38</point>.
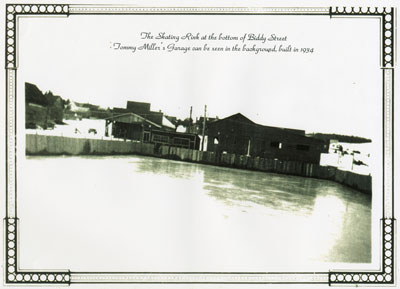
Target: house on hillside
<point>78,107</point>
<point>239,135</point>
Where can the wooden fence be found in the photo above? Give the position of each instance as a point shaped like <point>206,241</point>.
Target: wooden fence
<point>51,145</point>
<point>361,183</point>
<point>58,145</point>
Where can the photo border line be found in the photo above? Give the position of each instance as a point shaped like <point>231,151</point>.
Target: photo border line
<point>14,275</point>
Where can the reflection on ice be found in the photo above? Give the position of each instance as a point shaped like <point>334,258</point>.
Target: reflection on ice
<point>327,219</point>
<point>149,214</point>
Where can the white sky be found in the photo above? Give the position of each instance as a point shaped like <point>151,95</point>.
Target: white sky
<point>336,89</point>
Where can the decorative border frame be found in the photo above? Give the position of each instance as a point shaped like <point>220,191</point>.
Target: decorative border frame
<point>14,275</point>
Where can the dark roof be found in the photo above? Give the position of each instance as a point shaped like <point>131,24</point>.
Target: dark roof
<point>238,117</point>
<point>131,117</point>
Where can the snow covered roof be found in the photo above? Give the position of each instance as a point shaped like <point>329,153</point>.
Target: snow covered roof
<point>167,123</point>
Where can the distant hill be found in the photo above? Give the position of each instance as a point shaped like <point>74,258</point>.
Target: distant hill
<point>42,109</point>
<point>34,95</point>
<point>46,109</point>
<point>341,138</point>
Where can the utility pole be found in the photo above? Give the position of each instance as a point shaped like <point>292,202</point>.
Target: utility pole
<point>190,120</point>
<point>248,148</point>
<point>204,127</point>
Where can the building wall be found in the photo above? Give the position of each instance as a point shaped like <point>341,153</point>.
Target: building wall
<point>267,142</point>
<point>138,107</point>
<point>153,116</point>
<point>119,110</point>
<point>143,109</point>
<point>133,131</point>
<point>175,139</point>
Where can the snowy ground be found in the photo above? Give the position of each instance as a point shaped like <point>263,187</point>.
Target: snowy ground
<point>76,128</point>
<point>361,154</point>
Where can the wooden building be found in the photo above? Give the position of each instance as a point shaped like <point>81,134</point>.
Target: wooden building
<point>176,139</point>
<point>135,127</point>
<point>239,135</point>
<point>130,126</point>
<point>143,109</point>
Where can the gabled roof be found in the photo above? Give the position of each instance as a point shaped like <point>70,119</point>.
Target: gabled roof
<point>238,117</point>
<point>131,117</point>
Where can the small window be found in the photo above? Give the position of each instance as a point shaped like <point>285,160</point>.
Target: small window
<point>181,142</point>
<point>160,139</point>
<point>276,144</point>
<point>300,147</point>
<point>146,137</point>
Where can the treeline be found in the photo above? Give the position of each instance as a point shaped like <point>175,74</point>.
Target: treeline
<point>42,109</point>
<point>339,137</point>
